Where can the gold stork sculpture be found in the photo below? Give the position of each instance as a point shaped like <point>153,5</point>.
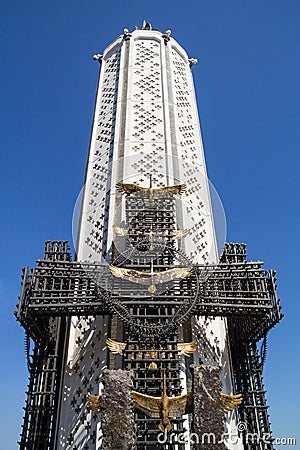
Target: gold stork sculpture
<point>152,193</point>
<point>163,407</point>
<point>151,277</point>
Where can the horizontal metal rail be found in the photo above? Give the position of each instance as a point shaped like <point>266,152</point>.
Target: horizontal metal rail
<point>59,286</point>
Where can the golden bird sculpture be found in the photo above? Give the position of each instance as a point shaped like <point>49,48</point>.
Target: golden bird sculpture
<point>163,407</point>
<point>116,348</point>
<point>93,403</point>
<point>150,192</point>
<point>151,277</point>
<point>230,402</point>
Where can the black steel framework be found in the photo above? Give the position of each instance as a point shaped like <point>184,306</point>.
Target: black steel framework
<point>59,287</point>
<point>45,371</point>
<point>150,239</point>
<point>64,288</point>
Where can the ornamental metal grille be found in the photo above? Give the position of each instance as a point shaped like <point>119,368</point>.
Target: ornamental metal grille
<point>58,288</point>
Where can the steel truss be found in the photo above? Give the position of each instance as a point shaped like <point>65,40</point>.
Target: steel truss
<point>45,364</point>
<point>247,363</point>
<point>58,287</point>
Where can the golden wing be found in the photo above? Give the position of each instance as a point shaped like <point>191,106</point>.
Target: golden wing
<point>115,347</point>
<point>148,405</point>
<point>172,274</point>
<point>120,231</point>
<point>180,405</point>
<point>180,234</point>
<point>230,402</point>
<point>187,348</point>
<point>170,190</point>
<point>93,403</point>
<point>128,188</point>
<point>120,272</point>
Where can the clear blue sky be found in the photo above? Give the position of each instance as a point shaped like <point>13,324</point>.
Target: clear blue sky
<point>247,82</point>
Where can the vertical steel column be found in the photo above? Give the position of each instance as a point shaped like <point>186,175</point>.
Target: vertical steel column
<point>43,389</point>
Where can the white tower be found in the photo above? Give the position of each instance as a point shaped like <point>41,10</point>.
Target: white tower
<point>145,124</point>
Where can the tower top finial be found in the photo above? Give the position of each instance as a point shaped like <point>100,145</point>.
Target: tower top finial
<point>146,25</point>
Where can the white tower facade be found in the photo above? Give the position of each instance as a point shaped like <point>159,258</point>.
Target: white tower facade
<point>145,124</point>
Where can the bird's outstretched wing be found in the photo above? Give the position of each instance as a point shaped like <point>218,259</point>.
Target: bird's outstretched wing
<point>170,190</point>
<point>115,347</point>
<point>148,405</point>
<point>172,274</point>
<point>230,402</point>
<point>93,403</point>
<point>187,348</point>
<point>120,231</point>
<point>180,405</point>
<point>166,191</point>
<point>117,272</point>
<point>180,234</point>
<point>130,188</point>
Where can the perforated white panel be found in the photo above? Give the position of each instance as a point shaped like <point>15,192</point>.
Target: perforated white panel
<point>146,123</point>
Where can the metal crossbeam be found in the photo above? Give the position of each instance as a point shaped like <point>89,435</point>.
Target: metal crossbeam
<point>58,286</point>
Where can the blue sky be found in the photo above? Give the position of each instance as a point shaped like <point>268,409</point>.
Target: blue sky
<point>247,82</point>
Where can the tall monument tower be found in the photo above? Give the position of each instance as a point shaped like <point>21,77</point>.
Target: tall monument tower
<point>147,307</point>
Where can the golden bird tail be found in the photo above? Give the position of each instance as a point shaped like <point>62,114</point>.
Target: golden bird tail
<point>163,427</point>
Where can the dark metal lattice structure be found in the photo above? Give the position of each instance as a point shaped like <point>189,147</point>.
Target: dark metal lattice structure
<point>149,223</point>
<point>58,288</point>
<point>64,288</point>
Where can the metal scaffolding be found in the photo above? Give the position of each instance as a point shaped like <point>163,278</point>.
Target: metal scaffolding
<point>58,288</point>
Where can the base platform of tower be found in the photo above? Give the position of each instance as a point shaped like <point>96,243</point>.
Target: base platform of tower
<point>146,338</point>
